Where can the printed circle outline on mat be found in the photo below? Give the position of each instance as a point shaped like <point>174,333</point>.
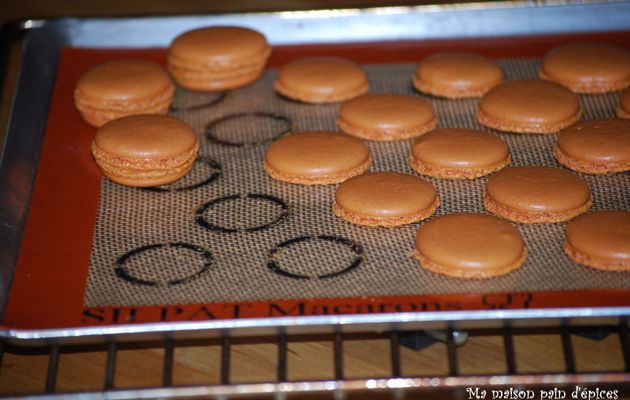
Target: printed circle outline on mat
<point>355,247</point>
<point>123,274</point>
<point>204,223</point>
<point>218,97</point>
<point>211,136</point>
<point>216,170</point>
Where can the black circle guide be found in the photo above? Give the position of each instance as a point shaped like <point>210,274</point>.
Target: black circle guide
<point>212,128</point>
<point>122,269</point>
<point>205,103</point>
<point>253,201</point>
<point>275,265</point>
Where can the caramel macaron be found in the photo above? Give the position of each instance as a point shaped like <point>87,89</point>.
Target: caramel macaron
<point>453,153</point>
<point>217,58</point>
<point>122,87</point>
<point>316,158</point>
<point>600,239</point>
<point>456,75</point>
<point>385,199</point>
<point>599,146</point>
<point>321,80</point>
<point>145,150</point>
<point>385,116</point>
<point>623,110</point>
<point>529,106</point>
<point>536,194</point>
<point>588,67</point>
<point>469,246</point>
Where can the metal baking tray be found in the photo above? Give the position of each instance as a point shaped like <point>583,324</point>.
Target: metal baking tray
<point>41,46</point>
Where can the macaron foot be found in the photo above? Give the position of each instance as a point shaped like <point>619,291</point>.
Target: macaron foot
<point>386,222</point>
<point>587,167</point>
<point>429,265</point>
<point>585,259</point>
<point>531,217</point>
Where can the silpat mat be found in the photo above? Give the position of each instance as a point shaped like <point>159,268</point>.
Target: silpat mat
<point>228,232</point>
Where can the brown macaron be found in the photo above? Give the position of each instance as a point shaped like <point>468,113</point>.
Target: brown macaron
<point>316,158</point>
<point>600,239</point>
<point>536,194</point>
<point>385,199</point>
<point>217,58</point>
<point>599,146</point>
<point>145,150</point>
<point>456,75</point>
<point>529,106</point>
<point>469,246</point>
<point>123,87</point>
<point>453,153</point>
<point>321,80</point>
<point>623,110</point>
<point>386,116</point>
<point>588,67</point>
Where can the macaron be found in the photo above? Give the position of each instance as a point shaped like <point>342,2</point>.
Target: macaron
<point>217,58</point>
<point>535,194</point>
<point>529,106</point>
<point>456,153</point>
<point>598,146</point>
<point>600,240</point>
<point>316,158</point>
<point>321,80</point>
<point>145,150</point>
<point>456,75</point>
<point>588,67</point>
<point>386,116</point>
<point>469,246</point>
<point>623,110</point>
<point>122,87</point>
<point>385,199</point>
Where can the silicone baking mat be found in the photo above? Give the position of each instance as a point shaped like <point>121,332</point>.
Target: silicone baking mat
<point>242,236</point>
<point>229,242</point>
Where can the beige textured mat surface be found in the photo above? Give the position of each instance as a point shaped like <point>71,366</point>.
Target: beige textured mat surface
<point>242,236</point>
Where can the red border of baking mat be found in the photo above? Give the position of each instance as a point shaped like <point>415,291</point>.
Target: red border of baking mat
<point>52,268</point>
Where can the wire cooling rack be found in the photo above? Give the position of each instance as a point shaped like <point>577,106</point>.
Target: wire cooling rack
<point>401,365</point>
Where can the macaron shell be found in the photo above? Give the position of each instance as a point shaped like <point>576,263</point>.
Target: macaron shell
<point>600,239</point>
<point>470,245</point>
<point>316,157</point>
<point>596,146</point>
<point>216,81</point>
<point>529,106</point>
<point>224,45</point>
<point>385,199</point>
<point>123,80</point>
<point>456,75</point>
<point>123,87</point>
<point>145,150</point>
<point>458,153</point>
<point>535,194</point>
<point>588,67</point>
<point>218,58</point>
<point>148,182</point>
<point>146,174</point>
<point>321,80</point>
<point>146,137</point>
<point>623,110</point>
<point>98,117</point>
<point>114,164</point>
<point>385,116</point>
